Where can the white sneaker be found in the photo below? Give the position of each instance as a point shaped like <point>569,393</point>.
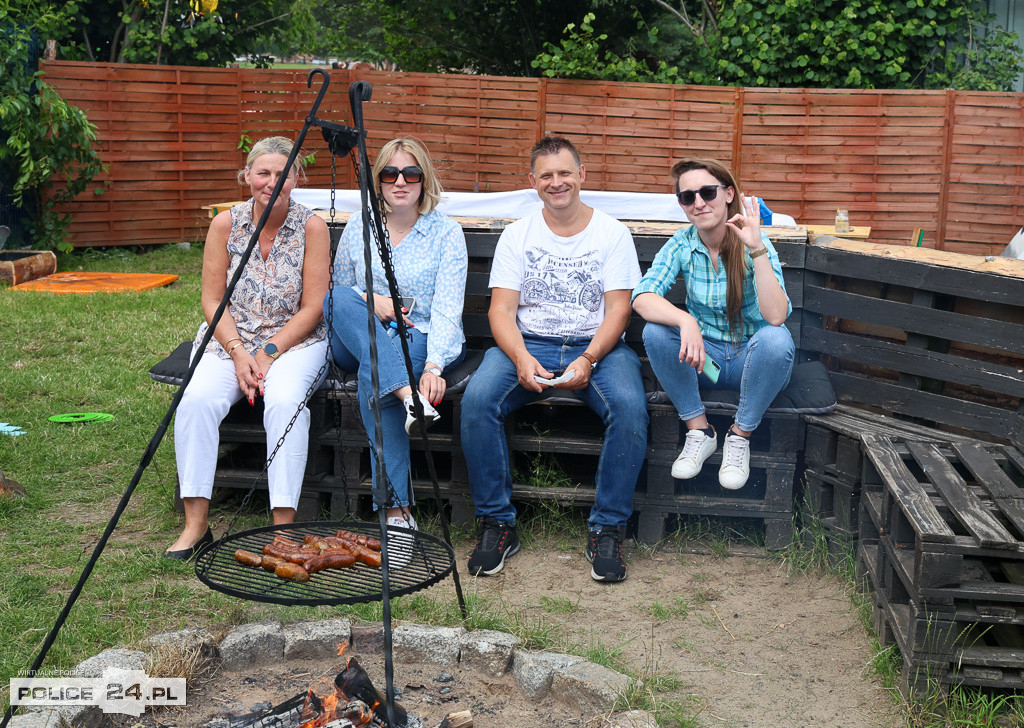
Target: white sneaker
<point>697,448</point>
<point>430,415</point>
<point>400,544</point>
<point>735,462</point>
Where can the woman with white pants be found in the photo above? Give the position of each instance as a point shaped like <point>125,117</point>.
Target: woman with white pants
<point>269,342</point>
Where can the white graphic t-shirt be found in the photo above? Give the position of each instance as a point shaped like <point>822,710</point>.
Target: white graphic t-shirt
<point>562,281</point>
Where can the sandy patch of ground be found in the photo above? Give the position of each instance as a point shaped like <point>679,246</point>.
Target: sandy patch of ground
<point>751,645</point>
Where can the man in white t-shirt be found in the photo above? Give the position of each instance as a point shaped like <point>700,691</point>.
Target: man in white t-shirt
<point>560,287</point>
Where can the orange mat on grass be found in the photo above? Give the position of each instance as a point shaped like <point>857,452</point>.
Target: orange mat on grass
<point>81,282</point>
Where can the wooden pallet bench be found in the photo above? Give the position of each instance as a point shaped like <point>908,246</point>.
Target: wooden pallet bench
<point>920,333</point>
<point>338,471</point>
<point>572,437</point>
<point>941,548</point>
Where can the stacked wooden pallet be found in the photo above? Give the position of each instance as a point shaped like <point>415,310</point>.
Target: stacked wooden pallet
<point>833,464</point>
<point>941,547</point>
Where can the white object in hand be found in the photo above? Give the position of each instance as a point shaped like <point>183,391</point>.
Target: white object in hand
<point>564,377</point>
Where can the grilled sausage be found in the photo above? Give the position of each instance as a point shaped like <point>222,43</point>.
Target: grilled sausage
<point>362,540</point>
<point>337,560</point>
<point>285,541</point>
<point>248,558</point>
<point>270,562</point>
<point>293,572</point>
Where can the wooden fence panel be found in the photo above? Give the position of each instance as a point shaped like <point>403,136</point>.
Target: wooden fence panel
<point>168,135</point>
<point>479,129</point>
<point>949,162</point>
<point>986,172</point>
<point>875,153</point>
<point>629,134</point>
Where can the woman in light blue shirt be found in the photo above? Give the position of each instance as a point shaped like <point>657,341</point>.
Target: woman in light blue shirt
<point>428,252</point>
<point>736,309</point>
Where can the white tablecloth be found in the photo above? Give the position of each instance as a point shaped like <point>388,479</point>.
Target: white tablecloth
<point>520,203</point>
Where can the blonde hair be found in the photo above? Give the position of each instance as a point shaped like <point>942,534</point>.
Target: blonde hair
<point>271,145</point>
<point>430,193</point>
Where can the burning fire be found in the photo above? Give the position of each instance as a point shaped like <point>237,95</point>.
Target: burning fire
<point>354,698</point>
<point>322,710</point>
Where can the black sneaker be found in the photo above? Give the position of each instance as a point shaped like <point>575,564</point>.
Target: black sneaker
<point>497,542</point>
<point>604,551</point>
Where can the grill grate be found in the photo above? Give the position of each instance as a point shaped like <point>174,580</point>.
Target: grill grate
<point>432,560</point>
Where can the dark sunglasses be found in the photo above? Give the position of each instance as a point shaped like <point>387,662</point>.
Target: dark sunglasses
<point>412,174</point>
<point>707,193</point>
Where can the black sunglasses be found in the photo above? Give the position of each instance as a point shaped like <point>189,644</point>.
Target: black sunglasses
<point>707,193</point>
<point>412,174</point>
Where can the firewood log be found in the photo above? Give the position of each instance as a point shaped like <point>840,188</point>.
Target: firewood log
<point>355,684</point>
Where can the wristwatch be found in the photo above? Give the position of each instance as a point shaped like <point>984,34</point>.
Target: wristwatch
<point>436,371</point>
<point>271,350</point>
<point>591,358</point>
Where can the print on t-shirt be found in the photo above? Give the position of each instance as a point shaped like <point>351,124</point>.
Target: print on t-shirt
<point>567,291</point>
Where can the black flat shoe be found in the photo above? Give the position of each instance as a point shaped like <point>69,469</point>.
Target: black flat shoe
<point>186,554</point>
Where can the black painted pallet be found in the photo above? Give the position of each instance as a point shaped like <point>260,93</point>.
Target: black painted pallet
<point>941,546</point>
<point>942,645</point>
<point>932,341</point>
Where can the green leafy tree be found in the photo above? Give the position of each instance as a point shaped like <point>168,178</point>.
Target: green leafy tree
<point>182,32</point>
<point>846,44</point>
<point>479,36</point>
<point>46,145</point>
<point>579,55</point>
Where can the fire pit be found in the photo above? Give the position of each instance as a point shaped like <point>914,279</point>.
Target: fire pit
<point>354,703</point>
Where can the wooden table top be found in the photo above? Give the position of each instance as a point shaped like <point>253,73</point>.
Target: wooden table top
<point>856,233</point>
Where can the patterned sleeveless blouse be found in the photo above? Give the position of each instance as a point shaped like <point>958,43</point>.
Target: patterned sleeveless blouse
<point>269,292</point>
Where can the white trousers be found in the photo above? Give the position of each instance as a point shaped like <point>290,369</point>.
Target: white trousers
<point>209,396</point>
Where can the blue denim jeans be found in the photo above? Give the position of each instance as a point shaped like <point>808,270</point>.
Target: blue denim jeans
<point>759,369</point>
<point>615,392</point>
<point>350,345</point>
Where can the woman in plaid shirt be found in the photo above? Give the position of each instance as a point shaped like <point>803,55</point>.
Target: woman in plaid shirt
<point>736,309</point>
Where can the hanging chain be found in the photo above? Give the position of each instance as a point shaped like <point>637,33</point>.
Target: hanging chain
<point>334,183</point>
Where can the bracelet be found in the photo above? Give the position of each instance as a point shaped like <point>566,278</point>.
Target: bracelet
<point>759,252</point>
<point>591,358</point>
<point>234,347</point>
<point>237,338</point>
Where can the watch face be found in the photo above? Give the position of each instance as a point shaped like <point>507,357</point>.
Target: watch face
<point>271,349</point>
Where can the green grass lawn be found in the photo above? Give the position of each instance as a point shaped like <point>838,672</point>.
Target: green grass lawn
<point>92,353</point>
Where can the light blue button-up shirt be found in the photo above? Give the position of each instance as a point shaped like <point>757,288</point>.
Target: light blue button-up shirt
<point>430,265</point>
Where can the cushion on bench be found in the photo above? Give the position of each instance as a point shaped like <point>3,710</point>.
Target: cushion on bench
<point>171,370</point>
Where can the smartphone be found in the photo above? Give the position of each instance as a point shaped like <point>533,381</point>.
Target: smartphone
<point>408,303</point>
<point>711,369</point>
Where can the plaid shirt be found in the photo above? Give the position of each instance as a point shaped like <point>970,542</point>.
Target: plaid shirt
<point>706,289</point>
